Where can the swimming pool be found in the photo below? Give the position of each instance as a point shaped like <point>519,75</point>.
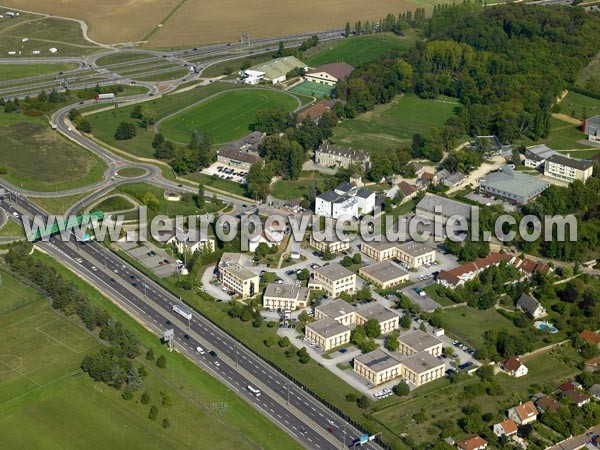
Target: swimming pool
<point>545,326</point>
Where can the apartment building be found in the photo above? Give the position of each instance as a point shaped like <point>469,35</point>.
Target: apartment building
<point>412,253</point>
<point>331,243</point>
<point>421,368</point>
<point>328,155</point>
<point>236,277</point>
<point>339,310</point>
<point>388,320</point>
<point>568,169</point>
<point>333,279</point>
<point>285,296</point>
<point>379,249</point>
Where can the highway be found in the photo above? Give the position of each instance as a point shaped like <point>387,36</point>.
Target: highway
<point>288,405</point>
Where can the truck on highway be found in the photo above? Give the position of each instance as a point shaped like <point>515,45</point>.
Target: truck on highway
<point>183,312</point>
<point>108,96</point>
<point>254,391</point>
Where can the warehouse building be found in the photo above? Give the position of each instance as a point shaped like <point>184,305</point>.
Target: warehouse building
<point>514,187</point>
<point>433,205</point>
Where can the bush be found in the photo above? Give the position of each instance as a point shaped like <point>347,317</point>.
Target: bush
<point>165,423</point>
<point>153,412</point>
<point>401,389</point>
<point>161,362</point>
<point>145,399</point>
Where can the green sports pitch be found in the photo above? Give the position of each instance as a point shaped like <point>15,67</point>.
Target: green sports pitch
<point>312,89</point>
<point>226,116</point>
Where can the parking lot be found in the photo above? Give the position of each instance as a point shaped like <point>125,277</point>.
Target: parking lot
<point>488,200</point>
<point>150,256</point>
<point>225,172</point>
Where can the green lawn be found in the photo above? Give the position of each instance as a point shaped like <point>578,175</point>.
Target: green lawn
<point>218,183</point>
<point>287,190</point>
<point>468,323</point>
<point>441,400</point>
<point>131,172</point>
<point>105,123</point>
<point>563,136</point>
<point>12,229</point>
<point>577,103</point>
<point>391,125</point>
<point>15,71</point>
<point>122,57</point>
<point>58,205</point>
<point>137,191</point>
<point>124,425</point>
<point>359,50</point>
<point>114,203</point>
<point>226,117</point>
<point>581,153</point>
<point>174,74</point>
<point>59,163</point>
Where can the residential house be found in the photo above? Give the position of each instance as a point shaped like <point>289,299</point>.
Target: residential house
<point>547,404</point>
<point>329,74</point>
<point>523,414</point>
<point>514,367</point>
<point>594,391</point>
<point>531,306</point>
<point>450,179</point>
<point>403,189</point>
<point>570,386</point>
<point>473,443</point>
<point>506,428</point>
<point>590,337</point>
<point>579,398</point>
<point>316,111</point>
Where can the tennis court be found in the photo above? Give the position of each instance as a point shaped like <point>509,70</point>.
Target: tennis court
<point>313,89</point>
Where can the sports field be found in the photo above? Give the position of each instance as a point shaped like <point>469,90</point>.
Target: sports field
<point>227,116</point>
<point>312,89</point>
<point>60,165</point>
<point>392,125</point>
<point>359,50</point>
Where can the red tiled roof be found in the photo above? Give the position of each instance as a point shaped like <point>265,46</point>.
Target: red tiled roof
<point>577,396</point>
<point>590,336</point>
<point>526,410</point>
<point>428,176</point>
<point>548,404</point>
<point>509,426</point>
<point>568,386</point>
<point>316,110</point>
<point>511,364</point>
<point>472,443</point>
<point>339,70</point>
<point>406,189</point>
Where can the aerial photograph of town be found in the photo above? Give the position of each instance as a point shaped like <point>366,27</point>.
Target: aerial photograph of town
<point>353,224</point>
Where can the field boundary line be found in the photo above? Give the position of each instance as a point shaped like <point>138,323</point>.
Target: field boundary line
<point>79,338</point>
<point>25,320</point>
<point>58,340</point>
<point>41,386</point>
<point>21,373</point>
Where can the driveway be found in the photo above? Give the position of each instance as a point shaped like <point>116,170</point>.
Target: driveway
<point>211,289</point>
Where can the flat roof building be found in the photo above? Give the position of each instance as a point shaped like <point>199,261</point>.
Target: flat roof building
<point>333,279</point>
<point>433,205</point>
<point>418,341</point>
<point>285,296</point>
<point>379,249</point>
<point>327,333</point>
<point>384,274</point>
<point>514,187</point>
<point>236,277</point>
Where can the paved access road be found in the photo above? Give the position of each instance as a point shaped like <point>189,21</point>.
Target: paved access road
<point>281,401</point>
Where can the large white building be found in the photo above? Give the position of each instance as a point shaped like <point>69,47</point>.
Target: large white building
<point>346,199</point>
<point>568,169</point>
<point>592,129</point>
<point>274,71</point>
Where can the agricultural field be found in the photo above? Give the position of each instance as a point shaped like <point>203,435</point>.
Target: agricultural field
<point>227,116</point>
<point>42,34</point>
<point>442,401</point>
<point>62,164</point>
<point>16,71</point>
<point>105,123</point>
<point>359,50</point>
<point>392,125</point>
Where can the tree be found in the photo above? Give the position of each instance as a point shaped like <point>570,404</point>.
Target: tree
<point>448,351</point>
<point>372,328</point>
<point>401,389</point>
<point>258,320</point>
<point>269,341</point>
<point>161,362</point>
<point>165,423</point>
<point>303,275</point>
<point>284,342</point>
<point>363,402</point>
<point>150,354</point>
<point>303,355</point>
<point>83,124</point>
<point>145,399</point>
<point>357,258</point>
<point>391,341</point>
<point>346,261</point>
<point>148,115</point>
<point>303,317</point>
<point>125,131</point>
<point>200,198</point>
<point>405,321</point>
<point>347,30</point>
<point>153,412</point>
<point>166,399</point>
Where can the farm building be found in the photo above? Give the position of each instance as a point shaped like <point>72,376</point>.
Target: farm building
<point>329,74</point>
<point>272,71</point>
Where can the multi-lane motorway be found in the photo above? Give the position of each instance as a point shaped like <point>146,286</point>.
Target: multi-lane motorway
<point>285,403</point>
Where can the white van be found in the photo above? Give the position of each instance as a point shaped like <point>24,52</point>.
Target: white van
<point>200,350</point>
<point>254,391</point>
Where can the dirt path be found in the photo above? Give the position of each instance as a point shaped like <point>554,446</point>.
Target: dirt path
<point>566,118</point>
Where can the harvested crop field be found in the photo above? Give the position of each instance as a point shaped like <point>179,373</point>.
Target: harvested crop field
<point>192,22</point>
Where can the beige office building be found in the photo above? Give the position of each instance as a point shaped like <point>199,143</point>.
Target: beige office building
<point>339,310</point>
<point>377,366</point>
<point>568,169</point>
<point>415,253</point>
<point>388,320</point>
<point>379,250</point>
<point>419,341</point>
<point>285,296</point>
<point>421,368</point>
<point>236,277</point>
<point>331,243</point>
<point>327,333</point>
<point>384,274</point>
<point>333,279</point>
